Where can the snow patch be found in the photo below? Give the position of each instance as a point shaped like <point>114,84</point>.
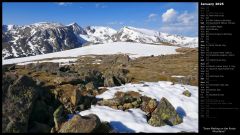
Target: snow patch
<point>134,120</point>
<point>133,49</point>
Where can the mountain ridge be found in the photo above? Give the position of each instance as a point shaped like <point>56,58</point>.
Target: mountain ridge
<point>46,37</point>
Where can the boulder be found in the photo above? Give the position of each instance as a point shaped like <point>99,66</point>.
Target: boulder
<point>108,79</point>
<point>144,105</point>
<point>187,93</point>
<point>164,114</point>
<point>81,124</point>
<point>115,76</point>
<point>17,105</point>
<point>85,102</point>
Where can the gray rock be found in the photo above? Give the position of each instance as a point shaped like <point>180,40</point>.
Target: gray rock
<point>81,124</point>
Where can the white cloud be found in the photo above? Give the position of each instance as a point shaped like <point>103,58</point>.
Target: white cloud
<point>172,17</point>
<point>116,23</point>
<point>169,15</point>
<point>184,23</point>
<point>180,30</point>
<point>186,18</point>
<point>152,15</point>
<point>64,3</point>
<point>100,5</point>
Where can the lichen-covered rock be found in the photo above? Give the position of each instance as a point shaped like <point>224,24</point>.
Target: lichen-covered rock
<point>17,105</point>
<point>81,124</point>
<point>144,105</point>
<point>58,117</point>
<point>187,93</point>
<point>148,105</point>
<point>164,114</point>
<point>136,104</point>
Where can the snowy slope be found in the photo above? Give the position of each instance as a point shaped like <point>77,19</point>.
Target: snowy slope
<point>99,34</point>
<point>134,120</point>
<point>153,37</point>
<point>137,35</point>
<point>133,49</point>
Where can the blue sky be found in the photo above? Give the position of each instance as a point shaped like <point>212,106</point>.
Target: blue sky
<point>171,17</point>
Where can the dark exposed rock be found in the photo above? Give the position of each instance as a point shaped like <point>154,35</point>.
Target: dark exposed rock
<point>164,114</point>
<point>7,80</point>
<point>40,128</point>
<point>64,68</point>
<point>85,102</point>
<point>8,67</point>
<point>115,76</point>
<point>105,127</point>
<point>81,124</point>
<point>17,105</point>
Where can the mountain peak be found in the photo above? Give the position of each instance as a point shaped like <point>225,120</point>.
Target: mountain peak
<point>76,28</point>
<point>46,25</point>
<point>73,24</point>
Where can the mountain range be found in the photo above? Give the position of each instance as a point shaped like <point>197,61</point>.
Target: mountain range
<point>44,37</point>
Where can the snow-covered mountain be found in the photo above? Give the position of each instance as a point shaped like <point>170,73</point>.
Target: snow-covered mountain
<point>141,35</point>
<point>39,38</point>
<point>99,34</point>
<point>44,37</point>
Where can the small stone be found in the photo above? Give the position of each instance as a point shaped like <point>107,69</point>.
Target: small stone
<point>187,93</point>
<point>120,107</point>
<point>127,106</point>
<point>114,107</point>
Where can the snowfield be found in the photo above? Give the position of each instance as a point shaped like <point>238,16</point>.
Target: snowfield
<point>132,49</point>
<point>134,120</point>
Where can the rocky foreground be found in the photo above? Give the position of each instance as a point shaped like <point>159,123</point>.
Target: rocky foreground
<point>39,97</point>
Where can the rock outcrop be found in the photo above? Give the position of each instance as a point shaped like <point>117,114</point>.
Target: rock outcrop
<point>17,105</point>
